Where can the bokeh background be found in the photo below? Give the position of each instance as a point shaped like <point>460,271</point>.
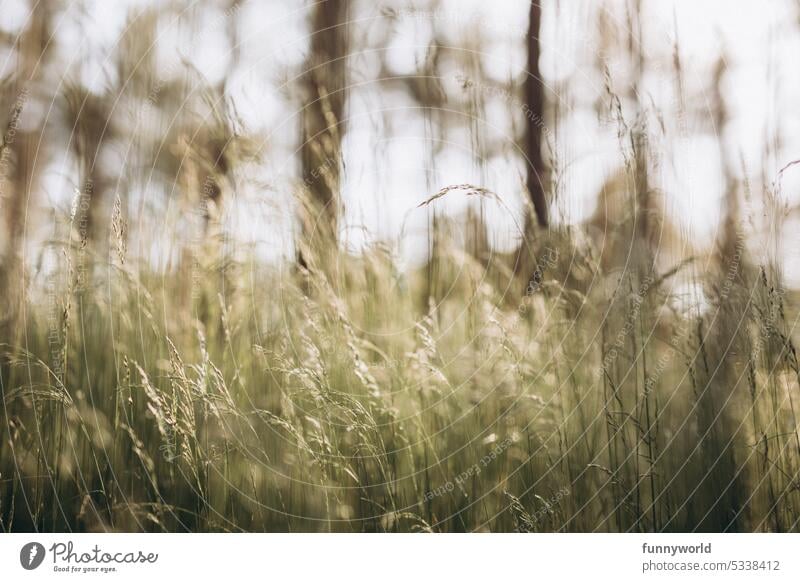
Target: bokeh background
<point>386,266</point>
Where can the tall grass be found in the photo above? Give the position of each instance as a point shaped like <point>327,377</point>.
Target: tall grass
<point>581,383</point>
<point>350,396</point>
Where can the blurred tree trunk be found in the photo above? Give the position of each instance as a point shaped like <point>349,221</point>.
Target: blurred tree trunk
<point>19,150</point>
<point>525,261</point>
<point>534,118</point>
<point>325,86</point>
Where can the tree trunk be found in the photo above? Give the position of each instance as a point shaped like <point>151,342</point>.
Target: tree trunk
<point>325,85</point>
<point>18,169</point>
<point>534,118</point>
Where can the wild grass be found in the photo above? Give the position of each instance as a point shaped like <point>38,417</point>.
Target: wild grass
<point>239,396</point>
<point>587,382</point>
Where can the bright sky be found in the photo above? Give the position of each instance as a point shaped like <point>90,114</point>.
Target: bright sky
<point>395,158</point>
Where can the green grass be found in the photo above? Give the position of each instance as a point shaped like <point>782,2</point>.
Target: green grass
<point>230,396</point>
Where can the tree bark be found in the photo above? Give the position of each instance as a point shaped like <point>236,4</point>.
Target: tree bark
<point>534,118</point>
<point>18,168</point>
<point>325,81</point>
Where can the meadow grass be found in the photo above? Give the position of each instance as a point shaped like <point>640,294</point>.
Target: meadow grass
<point>346,395</point>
